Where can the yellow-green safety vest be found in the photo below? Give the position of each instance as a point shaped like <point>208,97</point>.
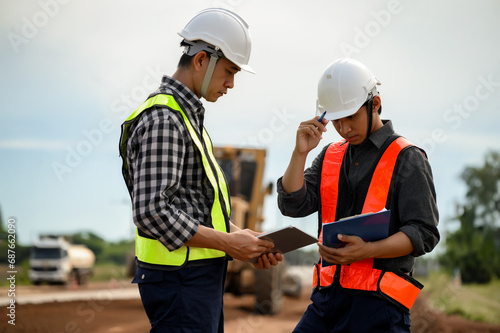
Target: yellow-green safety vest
<point>152,251</point>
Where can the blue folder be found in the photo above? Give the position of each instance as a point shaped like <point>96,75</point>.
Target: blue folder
<point>370,227</point>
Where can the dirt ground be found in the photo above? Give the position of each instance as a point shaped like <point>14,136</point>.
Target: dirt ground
<point>127,316</point>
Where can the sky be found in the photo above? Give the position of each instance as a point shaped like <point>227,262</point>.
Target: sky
<point>72,71</point>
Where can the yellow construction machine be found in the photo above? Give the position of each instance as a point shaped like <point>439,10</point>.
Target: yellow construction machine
<point>244,172</point>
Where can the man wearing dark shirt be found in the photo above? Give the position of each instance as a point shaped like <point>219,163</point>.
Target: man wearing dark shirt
<point>368,288</point>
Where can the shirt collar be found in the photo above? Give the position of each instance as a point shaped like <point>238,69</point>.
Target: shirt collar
<point>378,137</point>
<point>183,92</point>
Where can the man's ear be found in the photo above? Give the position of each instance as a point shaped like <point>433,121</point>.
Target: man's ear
<point>376,104</point>
<point>198,60</point>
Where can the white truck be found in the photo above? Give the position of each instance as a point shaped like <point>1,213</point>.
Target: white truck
<point>54,260</point>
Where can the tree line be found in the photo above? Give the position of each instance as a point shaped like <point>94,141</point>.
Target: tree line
<point>472,247</point>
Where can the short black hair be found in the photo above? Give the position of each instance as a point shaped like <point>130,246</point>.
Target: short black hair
<point>185,61</point>
<point>369,100</point>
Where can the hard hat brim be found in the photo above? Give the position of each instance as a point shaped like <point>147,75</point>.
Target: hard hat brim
<point>246,68</point>
<point>334,115</point>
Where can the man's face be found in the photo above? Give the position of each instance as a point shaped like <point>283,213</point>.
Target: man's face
<point>222,79</point>
<point>353,127</point>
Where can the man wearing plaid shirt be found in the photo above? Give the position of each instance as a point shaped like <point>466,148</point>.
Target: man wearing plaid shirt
<point>179,195</point>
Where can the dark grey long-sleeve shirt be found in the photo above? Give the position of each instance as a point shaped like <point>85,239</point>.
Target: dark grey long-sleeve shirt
<point>412,197</point>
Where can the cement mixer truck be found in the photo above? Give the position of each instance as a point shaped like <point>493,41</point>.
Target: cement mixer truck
<point>53,259</point>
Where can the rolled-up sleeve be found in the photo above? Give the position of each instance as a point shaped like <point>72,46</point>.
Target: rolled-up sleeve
<point>306,200</point>
<point>291,204</point>
<point>416,201</point>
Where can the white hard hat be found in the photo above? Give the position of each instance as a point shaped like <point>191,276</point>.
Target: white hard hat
<point>224,30</point>
<point>345,85</point>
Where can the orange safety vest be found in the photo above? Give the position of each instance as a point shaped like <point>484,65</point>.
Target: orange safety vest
<point>400,289</point>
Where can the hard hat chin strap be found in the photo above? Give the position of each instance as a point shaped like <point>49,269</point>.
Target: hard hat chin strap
<point>369,114</point>
<point>214,57</point>
<point>193,47</point>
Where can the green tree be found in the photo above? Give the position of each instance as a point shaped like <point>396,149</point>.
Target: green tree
<point>3,228</point>
<point>91,240</point>
<point>22,252</point>
<point>475,247</point>
<point>3,240</point>
<point>116,253</point>
<point>105,252</point>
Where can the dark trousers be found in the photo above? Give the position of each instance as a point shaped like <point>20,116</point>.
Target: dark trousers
<point>334,310</point>
<point>186,300</point>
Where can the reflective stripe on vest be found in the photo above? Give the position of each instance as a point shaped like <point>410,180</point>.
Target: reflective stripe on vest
<point>152,251</point>
<point>361,275</point>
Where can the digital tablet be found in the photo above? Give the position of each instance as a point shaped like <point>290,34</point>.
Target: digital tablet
<point>288,238</point>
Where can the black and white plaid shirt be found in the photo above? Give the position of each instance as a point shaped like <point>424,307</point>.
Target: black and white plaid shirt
<point>170,192</point>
